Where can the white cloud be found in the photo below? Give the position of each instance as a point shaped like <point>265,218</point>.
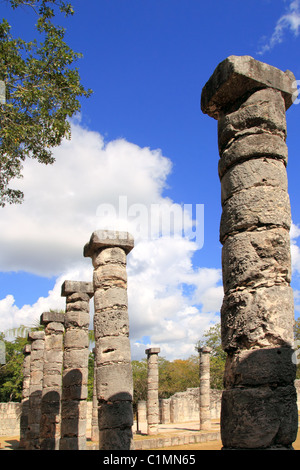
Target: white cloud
<point>290,20</point>
<point>295,250</point>
<point>170,302</point>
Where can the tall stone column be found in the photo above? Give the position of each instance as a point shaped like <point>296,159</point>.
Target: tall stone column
<point>108,250</point>
<point>249,99</point>
<point>152,390</point>
<point>75,364</point>
<point>37,339</point>
<point>25,395</point>
<point>52,380</point>
<point>94,424</point>
<point>204,389</point>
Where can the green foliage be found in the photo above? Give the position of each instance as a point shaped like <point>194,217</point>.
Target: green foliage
<point>42,91</point>
<point>90,377</point>
<point>11,374</point>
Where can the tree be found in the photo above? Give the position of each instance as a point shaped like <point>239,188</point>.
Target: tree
<point>11,374</point>
<point>42,93</point>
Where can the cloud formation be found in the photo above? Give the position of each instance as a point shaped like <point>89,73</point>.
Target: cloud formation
<point>290,20</point>
<point>171,302</point>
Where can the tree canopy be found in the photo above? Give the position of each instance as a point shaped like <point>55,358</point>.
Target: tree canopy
<point>42,89</point>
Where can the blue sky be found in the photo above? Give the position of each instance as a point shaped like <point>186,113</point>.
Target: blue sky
<point>142,136</point>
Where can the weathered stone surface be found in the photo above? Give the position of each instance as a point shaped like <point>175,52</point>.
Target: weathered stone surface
<point>256,259</point>
<point>112,349</point>
<point>261,145</point>
<point>116,438</point>
<point>236,76</point>
<point>101,239</point>
<point>267,366</point>
<point>262,111</point>
<point>115,297</point>
<point>48,317</point>
<point>71,287</point>
<point>110,274</point>
<point>76,339</point>
<point>263,317</point>
<point>113,255</point>
<point>262,206</point>
<point>253,173</point>
<point>259,417</point>
<point>75,359</point>
<point>111,322</point>
<point>77,319</point>
<point>115,414</point>
<point>36,335</point>
<point>114,382</point>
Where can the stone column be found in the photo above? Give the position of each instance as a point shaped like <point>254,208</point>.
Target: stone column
<point>94,424</point>
<point>249,99</point>
<point>25,395</point>
<point>114,384</point>
<point>52,380</point>
<point>37,339</point>
<point>141,416</point>
<point>75,365</point>
<point>204,389</point>
<point>152,390</point>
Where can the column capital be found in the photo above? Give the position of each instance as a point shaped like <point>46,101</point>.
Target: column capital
<point>70,287</point>
<point>34,335</point>
<point>152,351</point>
<point>101,239</point>
<point>238,75</point>
<point>48,317</point>
<point>204,350</point>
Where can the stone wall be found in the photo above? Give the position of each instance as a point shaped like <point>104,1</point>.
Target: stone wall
<point>10,414</point>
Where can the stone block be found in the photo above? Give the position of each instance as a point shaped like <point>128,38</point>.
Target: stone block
<point>261,206</point>
<point>75,359</point>
<point>79,305</point>
<point>263,111</point>
<point>115,297</point>
<point>253,173</point>
<point>114,382</point>
<point>77,319</point>
<point>110,275</point>
<point>256,259</point>
<point>112,349</point>
<point>76,338</point>
<point>263,317</point>
<point>116,439</point>
<point>71,287</point>
<point>116,414</point>
<point>36,335</point>
<point>260,417</point>
<point>111,322</point>
<point>48,317</point>
<point>75,377</point>
<point>109,255</point>
<point>101,239</point>
<point>263,366</point>
<point>236,76</point>
<point>261,145</point>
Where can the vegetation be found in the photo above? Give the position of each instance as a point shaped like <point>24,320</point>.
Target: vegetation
<point>42,92</point>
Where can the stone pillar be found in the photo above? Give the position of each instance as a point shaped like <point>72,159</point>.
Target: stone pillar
<point>94,424</point>
<point>152,390</point>
<point>52,380</point>
<point>75,365</point>
<point>141,415</point>
<point>37,339</point>
<point>249,99</point>
<point>114,383</point>
<point>25,395</point>
<point>204,389</point>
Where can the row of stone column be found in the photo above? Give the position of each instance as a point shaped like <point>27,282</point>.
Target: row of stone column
<point>55,375</point>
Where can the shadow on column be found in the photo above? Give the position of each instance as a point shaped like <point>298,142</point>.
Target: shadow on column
<point>73,412</point>
<point>50,409</point>
<point>115,418</point>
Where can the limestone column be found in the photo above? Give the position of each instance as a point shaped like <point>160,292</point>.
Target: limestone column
<point>52,380</point>
<point>249,99</point>
<point>204,389</point>
<point>152,390</point>
<point>94,424</point>
<point>25,395</point>
<point>37,339</point>
<point>108,250</point>
<point>75,365</point>
<point>141,415</point>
